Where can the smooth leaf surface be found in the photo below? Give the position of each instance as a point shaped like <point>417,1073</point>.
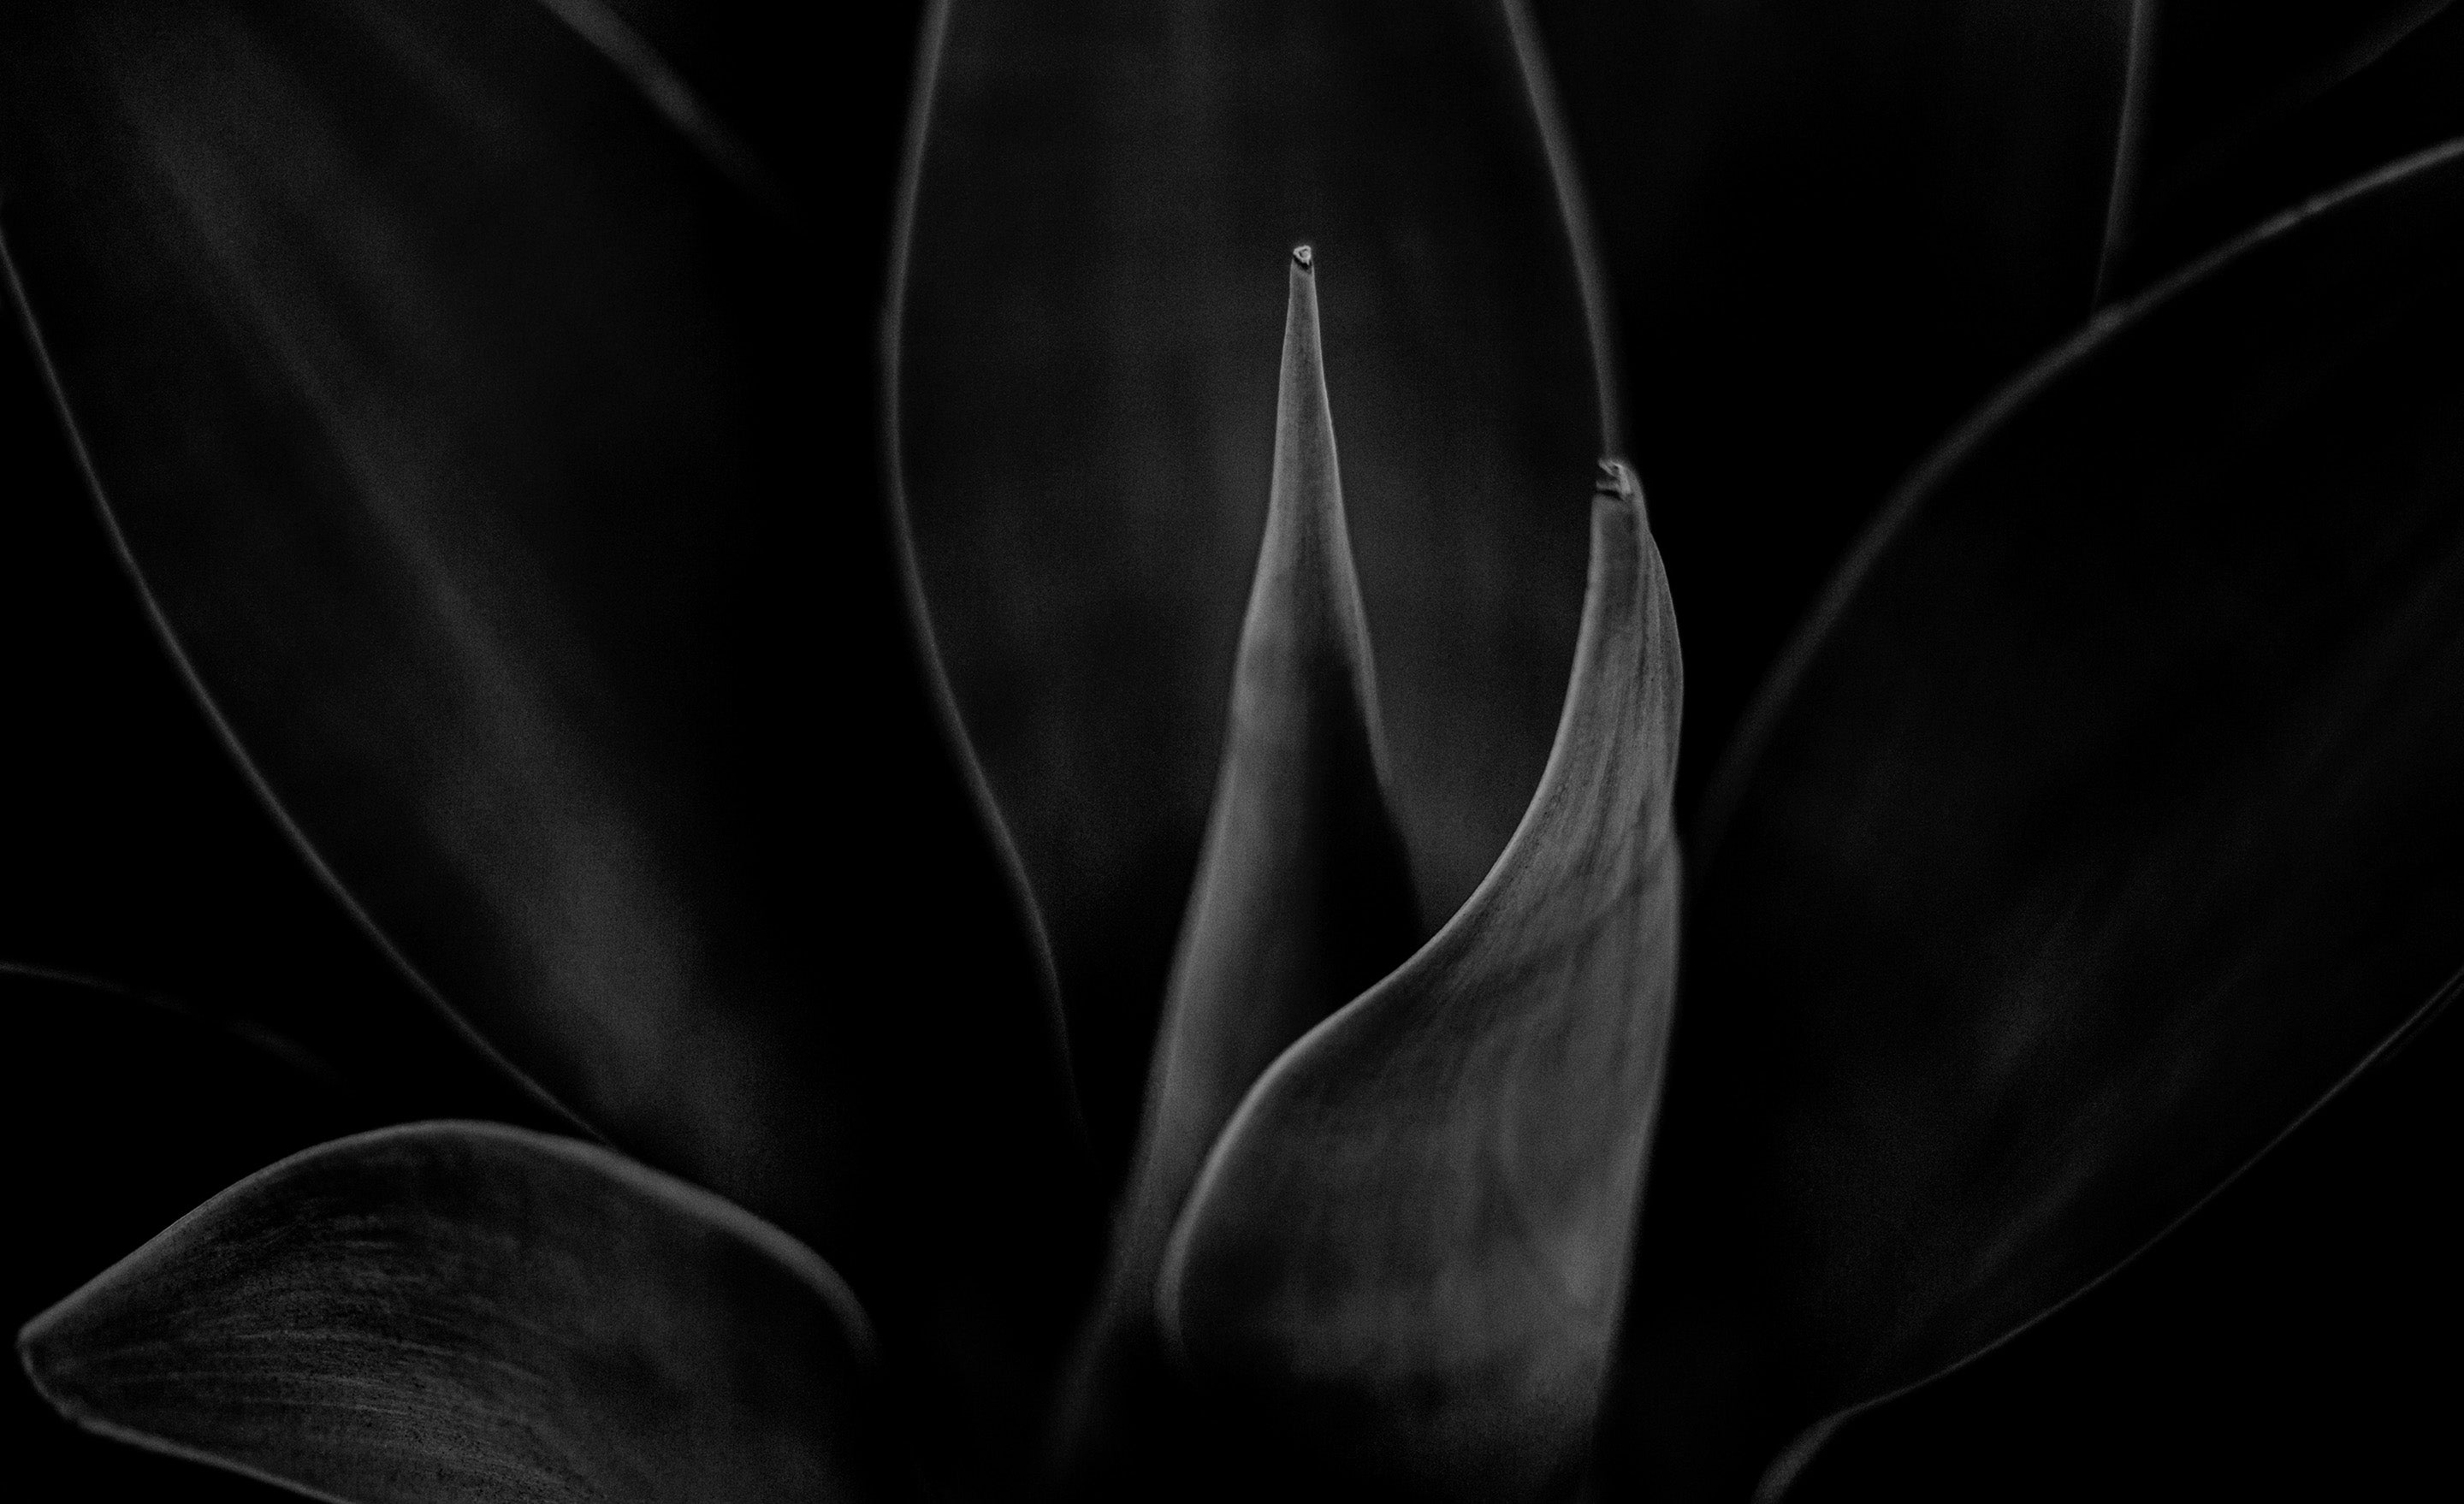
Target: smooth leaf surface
<point>488,465</point>
<point>1304,894</point>
<point>1833,228</point>
<point>1086,357</point>
<point>122,1112</point>
<point>1410,1246</point>
<point>2102,822</point>
<point>476,1312</point>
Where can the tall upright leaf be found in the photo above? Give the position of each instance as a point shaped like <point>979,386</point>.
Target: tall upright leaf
<point>1085,353</point>
<point>1409,1247</point>
<point>2102,822</point>
<point>1303,900</point>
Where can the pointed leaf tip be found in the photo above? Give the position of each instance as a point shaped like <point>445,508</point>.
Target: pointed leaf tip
<point>1085,489</point>
<point>1304,896</point>
<point>472,1311</point>
<point>1409,1246</point>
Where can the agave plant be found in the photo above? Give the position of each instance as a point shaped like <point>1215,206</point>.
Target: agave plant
<point>1055,932</point>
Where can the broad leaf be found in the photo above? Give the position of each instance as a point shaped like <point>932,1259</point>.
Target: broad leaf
<point>474,1312</point>
<point>2104,821</point>
<point>122,1112</point>
<point>1833,227</point>
<point>1410,1246</point>
<point>1304,896</point>
<point>491,469</point>
<point>1085,349</point>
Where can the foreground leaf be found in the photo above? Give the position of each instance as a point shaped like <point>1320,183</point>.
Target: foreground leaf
<point>475,1311</point>
<point>122,1112</point>
<point>1304,896</point>
<point>471,437</point>
<point>1410,1246</point>
<point>2104,820</point>
<point>1085,354</point>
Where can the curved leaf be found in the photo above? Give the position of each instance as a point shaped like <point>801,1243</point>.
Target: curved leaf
<point>130,845</point>
<point>1304,894</point>
<point>2270,1346</point>
<point>2252,109</point>
<point>477,1312</point>
<point>789,122</point>
<point>2101,823</point>
<point>122,1112</point>
<point>1084,348</point>
<point>476,442</point>
<point>1410,1246</point>
<point>1832,229</point>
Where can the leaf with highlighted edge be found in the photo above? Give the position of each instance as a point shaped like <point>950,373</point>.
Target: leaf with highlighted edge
<point>2242,111</point>
<point>1410,1245</point>
<point>1085,365</point>
<point>1304,896</point>
<point>2102,822</point>
<point>460,420</point>
<point>476,1312</point>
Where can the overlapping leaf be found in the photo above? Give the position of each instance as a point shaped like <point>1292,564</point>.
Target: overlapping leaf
<point>1303,900</point>
<point>471,434</point>
<point>2104,821</point>
<point>1085,380</point>
<point>1410,1246</point>
<point>475,1311</point>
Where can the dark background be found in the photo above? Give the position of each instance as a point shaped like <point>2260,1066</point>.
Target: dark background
<point>2294,1339</point>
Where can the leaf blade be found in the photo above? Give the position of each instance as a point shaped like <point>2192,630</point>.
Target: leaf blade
<point>480,1310</point>
<point>2089,837</point>
<point>460,421</point>
<point>1303,899</point>
<point>1410,1245</point>
<point>1081,355</point>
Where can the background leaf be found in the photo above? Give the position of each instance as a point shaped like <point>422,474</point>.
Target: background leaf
<point>133,847</point>
<point>1086,347</point>
<point>2100,826</point>
<point>2248,110</point>
<point>477,1312</point>
<point>1833,228</point>
<point>482,449</point>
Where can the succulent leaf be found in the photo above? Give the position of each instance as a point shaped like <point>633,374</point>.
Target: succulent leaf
<point>1085,356</point>
<point>475,1311</point>
<point>1410,1245</point>
<point>123,1110</point>
<point>1304,893</point>
<point>2101,822</point>
<point>471,437</point>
